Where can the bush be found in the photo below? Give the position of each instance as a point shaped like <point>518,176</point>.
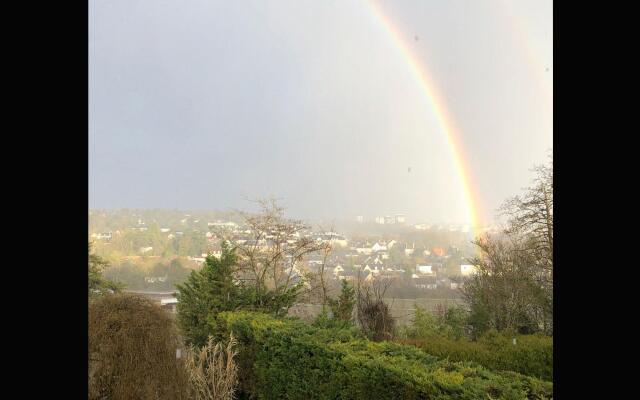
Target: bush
<point>532,355</point>
<point>285,358</point>
<point>132,350</point>
<point>212,371</point>
<point>374,315</point>
<point>450,323</point>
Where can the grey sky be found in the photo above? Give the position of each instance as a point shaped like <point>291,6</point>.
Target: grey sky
<point>198,103</point>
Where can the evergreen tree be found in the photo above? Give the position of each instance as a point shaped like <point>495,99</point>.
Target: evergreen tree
<point>98,284</point>
<point>342,308</point>
<point>206,293</point>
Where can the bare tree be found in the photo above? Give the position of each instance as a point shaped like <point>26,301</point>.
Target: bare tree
<point>506,290</point>
<point>530,223</point>
<point>531,217</point>
<point>327,247</point>
<point>372,313</point>
<point>269,262</point>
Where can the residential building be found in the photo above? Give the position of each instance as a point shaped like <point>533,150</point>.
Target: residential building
<point>467,270</point>
<point>424,269</point>
<point>425,282</point>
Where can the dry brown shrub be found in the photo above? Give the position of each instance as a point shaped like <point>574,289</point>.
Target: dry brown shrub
<point>213,372</point>
<point>132,350</point>
<point>373,314</point>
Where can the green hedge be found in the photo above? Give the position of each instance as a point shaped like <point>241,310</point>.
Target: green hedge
<point>288,359</point>
<point>532,355</point>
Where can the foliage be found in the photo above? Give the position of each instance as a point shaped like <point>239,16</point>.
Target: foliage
<point>214,288</point>
<point>342,307</point>
<point>132,350</point>
<point>206,292</point>
<point>285,358</point>
<point>275,302</point>
<point>98,284</point>
<point>455,322</point>
<point>128,241</point>
<point>450,322</point>
<point>133,274</point>
<point>532,355</point>
<point>212,371</point>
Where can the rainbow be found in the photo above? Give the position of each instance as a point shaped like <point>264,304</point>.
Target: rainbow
<point>444,119</point>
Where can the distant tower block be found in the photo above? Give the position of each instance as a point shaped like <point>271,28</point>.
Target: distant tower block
<point>400,219</point>
<point>360,219</point>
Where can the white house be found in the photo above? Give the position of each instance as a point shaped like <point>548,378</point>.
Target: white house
<point>467,270</point>
<point>220,224</point>
<point>424,269</point>
<point>104,236</point>
<point>421,227</point>
<point>337,270</point>
<point>425,282</point>
<point>198,260</point>
<point>335,238</point>
<point>145,249</point>
<point>348,278</point>
<point>154,279</point>
<point>169,304</point>
<point>378,247</point>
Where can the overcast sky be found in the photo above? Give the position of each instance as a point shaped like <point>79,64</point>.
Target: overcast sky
<point>197,104</point>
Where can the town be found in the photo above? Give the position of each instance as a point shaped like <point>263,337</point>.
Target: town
<point>419,258</point>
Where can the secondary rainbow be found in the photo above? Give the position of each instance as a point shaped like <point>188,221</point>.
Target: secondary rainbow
<point>445,121</point>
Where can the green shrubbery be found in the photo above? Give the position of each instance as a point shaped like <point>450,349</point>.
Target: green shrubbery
<point>447,336</point>
<point>285,358</point>
<point>452,323</point>
<point>531,355</point>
